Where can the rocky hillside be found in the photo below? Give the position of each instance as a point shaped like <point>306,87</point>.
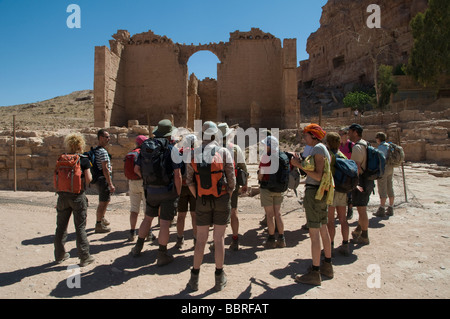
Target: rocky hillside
<point>75,110</point>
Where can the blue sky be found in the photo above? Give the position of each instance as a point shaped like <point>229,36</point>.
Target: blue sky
<point>41,58</point>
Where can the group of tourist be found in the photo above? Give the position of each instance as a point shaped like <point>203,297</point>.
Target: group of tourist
<point>207,185</point>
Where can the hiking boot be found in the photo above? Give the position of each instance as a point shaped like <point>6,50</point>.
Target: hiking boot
<point>390,211</point>
<point>270,243</point>
<point>344,249</point>
<point>65,257</point>
<point>105,222</point>
<point>180,242</point>
<point>131,236</point>
<point>86,261</point>
<point>263,223</point>
<point>193,282</point>
<point>221,281</point>
<point>380,212</point>
<point>150,236</point>
<point>136,250</point>
<point>281,242</point>
<point>357,232</point>
<point>234,246</point>
<point>361,240</point>
<point>311,278</point>
<point>349,213</point>
<point>101,228</point>
<point>326,269</point>
<point>163,258</point>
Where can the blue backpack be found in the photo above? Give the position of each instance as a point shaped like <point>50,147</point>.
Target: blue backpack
<point>376,163</point>
<point>345,175</point>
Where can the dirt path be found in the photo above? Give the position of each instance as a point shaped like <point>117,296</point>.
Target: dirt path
<point>408,253</point>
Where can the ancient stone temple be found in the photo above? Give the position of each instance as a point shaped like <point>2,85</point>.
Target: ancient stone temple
<point>144,77</point>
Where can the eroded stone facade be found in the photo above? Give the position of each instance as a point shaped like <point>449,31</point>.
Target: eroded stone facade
<point>145,76</point>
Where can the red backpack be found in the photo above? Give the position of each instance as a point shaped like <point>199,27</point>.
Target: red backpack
<point>67,175</point>
<point>128,166</point>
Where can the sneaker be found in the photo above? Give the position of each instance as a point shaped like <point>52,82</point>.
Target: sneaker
<point>221,281</point>
<point>361,241</point>
<point>180,242</point>
<point>270,244</point>
<point>163,258</point>
<point>390,211</point>
<point>193,282</point>
<point>234,246</point>
<point>326,269</point>
<point>311,278</point>
<point>101,228</point>
<point>65,257</point>
<point>380,212</point>
<point>344,250</point>
<point>281,242</point>
<point>86,261</point>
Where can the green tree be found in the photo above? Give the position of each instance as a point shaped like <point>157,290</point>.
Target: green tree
<point>430,56</point>
<point>386,85</point>
<point>357,100</point>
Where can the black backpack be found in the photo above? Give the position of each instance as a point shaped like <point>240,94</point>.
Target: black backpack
<point>155,154</point>
<point>95,171</point>
<point>279,181</point>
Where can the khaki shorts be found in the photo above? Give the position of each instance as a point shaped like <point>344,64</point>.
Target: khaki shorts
<point>187,200</point>
<point>213,210</point>
<point>340,199</point>
<point>137,196</point>
<point>316,210</point>
<point>269,198</point>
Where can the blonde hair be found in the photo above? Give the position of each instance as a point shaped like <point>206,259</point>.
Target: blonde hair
<point>333,141</point>
<point>74,143</point>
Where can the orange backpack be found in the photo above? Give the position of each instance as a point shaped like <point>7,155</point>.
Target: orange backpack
<point>210,175</point>
<point>67,176</point>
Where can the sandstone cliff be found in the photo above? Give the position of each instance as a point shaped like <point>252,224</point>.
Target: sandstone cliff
<point>344,51</point>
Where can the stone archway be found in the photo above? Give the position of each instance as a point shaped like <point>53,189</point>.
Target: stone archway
<point>145,77</point>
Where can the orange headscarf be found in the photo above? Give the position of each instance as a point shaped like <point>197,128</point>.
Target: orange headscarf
<point>315,130</point>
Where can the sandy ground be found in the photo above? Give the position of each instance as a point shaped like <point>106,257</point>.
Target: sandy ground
<point>408,252</point>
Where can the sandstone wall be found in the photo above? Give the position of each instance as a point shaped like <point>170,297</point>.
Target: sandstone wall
<point>37,153</point>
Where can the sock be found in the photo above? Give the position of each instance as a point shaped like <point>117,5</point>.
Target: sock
<point>365,234</point>
<point>280,236</point>
<point>327,260</point>
<point>132,231</point>
<point>162,248</point>
<point>315,268</point>
<point>272,237</point>
<point>218,271</point>
<point>235,237</point>
<point>99,221</point>
<point>195,271</point>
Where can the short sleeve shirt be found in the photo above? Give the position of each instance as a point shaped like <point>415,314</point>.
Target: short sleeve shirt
<point>359,154</point>
<point>320,149</point>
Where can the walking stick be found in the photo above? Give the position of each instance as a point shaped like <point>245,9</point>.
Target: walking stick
<point>403,169</point>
